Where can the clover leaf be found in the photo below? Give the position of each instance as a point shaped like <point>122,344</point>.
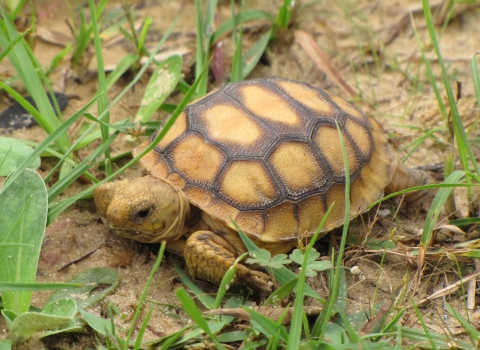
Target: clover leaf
<point>265,259</point>
<point>312,266</point>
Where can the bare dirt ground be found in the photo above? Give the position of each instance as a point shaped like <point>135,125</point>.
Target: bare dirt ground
<point>372,44</point>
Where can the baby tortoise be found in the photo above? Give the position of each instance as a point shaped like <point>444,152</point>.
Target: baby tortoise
<point>264,153</point>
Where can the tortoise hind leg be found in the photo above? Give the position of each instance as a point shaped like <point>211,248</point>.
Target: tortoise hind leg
<point>405,177</point>
<point>209,256</point>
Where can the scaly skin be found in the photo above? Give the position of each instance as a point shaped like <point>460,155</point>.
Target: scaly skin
<point>405,177</point>
<point>209,256</point>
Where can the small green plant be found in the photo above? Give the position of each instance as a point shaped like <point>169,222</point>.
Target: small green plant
<point>83,32</point>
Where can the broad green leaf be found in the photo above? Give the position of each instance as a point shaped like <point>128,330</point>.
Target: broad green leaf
<point>53,316</point>
<point>13,153</point>
<point>23,210</point>
<point>5,344</point>
<point>159,87</point>
<point>98,283</point>
<point>335,333</point>
<point>98,324</point>
<point>75,325</point>
<point>230,337</point>
<point>282,292</point>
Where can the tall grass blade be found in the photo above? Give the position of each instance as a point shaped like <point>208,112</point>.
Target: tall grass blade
<point>464,148</point>
<point>248,15</point>
<point>22,59</point>
<point>196,315</point>
<point>46,143</point>
<point>322,321</point>
<point>102,84</point>
<point>237,63</point>
<point>437,206</point>
<point>298,314</point>
<point>143,297</point>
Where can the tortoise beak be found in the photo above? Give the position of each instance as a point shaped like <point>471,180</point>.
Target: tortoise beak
<point>104,194</point>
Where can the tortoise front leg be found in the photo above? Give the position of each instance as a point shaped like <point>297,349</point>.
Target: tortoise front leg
<point>208,257</point>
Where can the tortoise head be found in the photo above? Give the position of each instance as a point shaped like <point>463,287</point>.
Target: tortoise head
<point>146,209</point>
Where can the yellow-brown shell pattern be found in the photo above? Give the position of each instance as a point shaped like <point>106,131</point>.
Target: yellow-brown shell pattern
<point>266,153</point>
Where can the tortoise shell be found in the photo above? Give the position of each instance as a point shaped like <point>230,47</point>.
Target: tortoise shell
<point>266,154</point>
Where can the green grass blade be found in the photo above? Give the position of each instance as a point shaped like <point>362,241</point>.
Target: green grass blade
<point>121,68</point>
<point>227,281</point>
<point>38,287</point>
<point>142,330</point>
<point>253,56</point>
<point>298,314</point>
<point>102,85</point>
<point>431,78</point>
<point>423,336</point>
<point>322,321</point>
<point>464,147</point>
<point>82,36</point>
<point>143,297</point>
<point>23,61</point>
<point>143,34</point>
<point>12,43</point>
<point>281,293</point>
<point>79,170</point>
<point>475,77</point>
<point>437,206</point>
<point>248,15</point>
<point>284,14</point>
<point>210,18</point>
<point>14,11</point>
<point>267,326</point>
<point>201,53</point>
<point>464,322</point>
<point>56,208</point>
<point>354,337</point>
<point>428,336</point>
<point>205,299</point>
<point>196,315</point>
<point>46,143</point>
<point>57,60</point>
<point>237,63</point>
<point>27,106</point>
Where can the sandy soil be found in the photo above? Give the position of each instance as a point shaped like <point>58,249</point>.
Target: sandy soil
<point>375,52</point>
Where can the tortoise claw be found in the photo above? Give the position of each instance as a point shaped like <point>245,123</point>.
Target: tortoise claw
<point>209,256</point>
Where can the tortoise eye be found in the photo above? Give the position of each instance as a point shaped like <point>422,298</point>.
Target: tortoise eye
<point>141,215</point>
<point>144,213</point>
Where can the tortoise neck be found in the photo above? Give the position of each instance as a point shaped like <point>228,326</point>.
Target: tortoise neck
<point>176,229</point>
